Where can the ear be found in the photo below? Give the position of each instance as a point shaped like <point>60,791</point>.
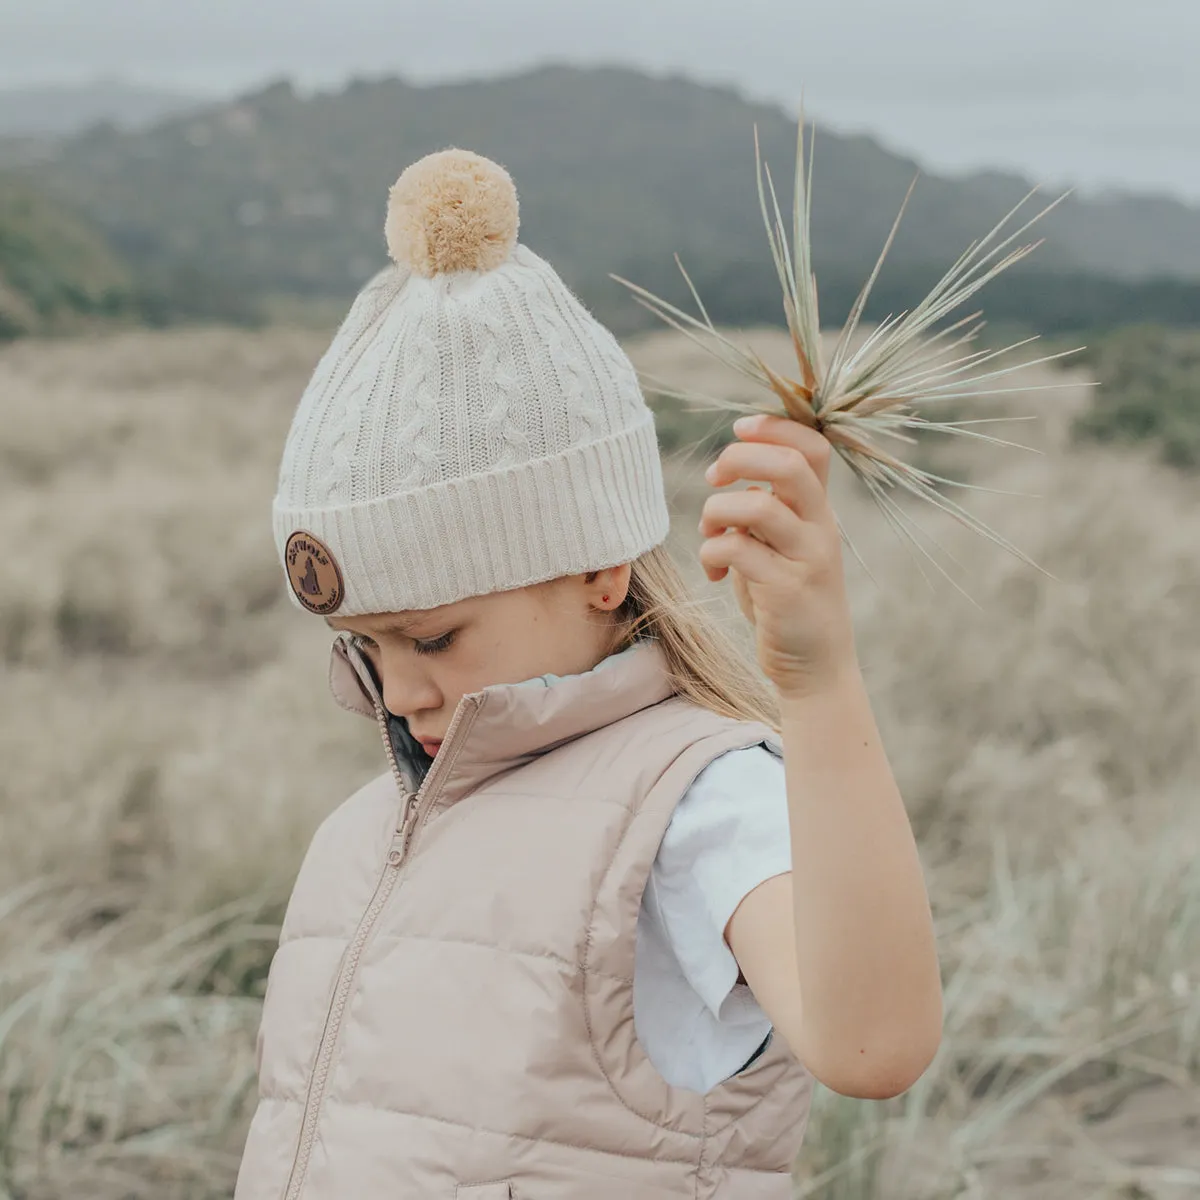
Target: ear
<point>612,582</point>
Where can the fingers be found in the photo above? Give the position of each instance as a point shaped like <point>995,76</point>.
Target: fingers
<point>749,529</point>
<point>756,561</point>
<point>759,512</point>
<point>766,428</point>
<point>791,475</point>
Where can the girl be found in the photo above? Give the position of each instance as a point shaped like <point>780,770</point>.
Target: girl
<point>617,901</point>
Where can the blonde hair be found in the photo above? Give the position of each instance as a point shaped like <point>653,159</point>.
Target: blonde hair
<point>705,664</point>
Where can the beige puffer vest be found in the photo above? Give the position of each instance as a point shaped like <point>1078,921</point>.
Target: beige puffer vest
<point>450,1011</point>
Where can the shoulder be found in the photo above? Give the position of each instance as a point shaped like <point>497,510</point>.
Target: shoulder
<point>760,763</point>
<point>736,791</point>
<point>341,865</point>
<point>344,850</point>
<point>728,833</point>
<point>374,801</point>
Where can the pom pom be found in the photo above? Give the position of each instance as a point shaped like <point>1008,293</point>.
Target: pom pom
<point>452,211</point>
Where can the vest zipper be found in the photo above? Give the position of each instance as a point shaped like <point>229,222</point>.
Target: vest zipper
<point>412,815</point>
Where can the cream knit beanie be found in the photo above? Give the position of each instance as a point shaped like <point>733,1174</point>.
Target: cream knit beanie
<point>471,428</point>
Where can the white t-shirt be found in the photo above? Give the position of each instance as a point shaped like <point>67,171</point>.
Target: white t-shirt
<point>728,834</point>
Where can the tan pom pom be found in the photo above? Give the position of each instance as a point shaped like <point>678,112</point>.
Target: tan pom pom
<point>452,211</point>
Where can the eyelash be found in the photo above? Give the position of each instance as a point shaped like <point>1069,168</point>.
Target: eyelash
<point>433,647</point>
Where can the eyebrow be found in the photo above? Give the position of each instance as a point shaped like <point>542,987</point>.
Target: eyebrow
<point>399,625</point>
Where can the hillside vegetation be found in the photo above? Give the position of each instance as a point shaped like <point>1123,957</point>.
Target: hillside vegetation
<point>1149,392</point>
<point>56,272</point>
<point>274,194</point>
<point>171,745</point>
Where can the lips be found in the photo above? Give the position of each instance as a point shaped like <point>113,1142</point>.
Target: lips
<point>430,748</point>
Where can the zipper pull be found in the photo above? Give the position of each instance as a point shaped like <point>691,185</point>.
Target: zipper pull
<point>396,853</point>
<point>400,833</point>
<point>408,827</point>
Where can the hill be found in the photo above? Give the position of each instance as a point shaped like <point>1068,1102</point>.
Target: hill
<point>56,272</point>
<point>275,193</point>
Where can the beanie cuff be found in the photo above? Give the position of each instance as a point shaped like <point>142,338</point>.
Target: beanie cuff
<point>593,506</point>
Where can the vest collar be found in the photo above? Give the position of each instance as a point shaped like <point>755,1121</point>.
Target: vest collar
<point>506,725</point>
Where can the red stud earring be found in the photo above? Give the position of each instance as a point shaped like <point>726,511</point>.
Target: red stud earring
<point>604,599</point>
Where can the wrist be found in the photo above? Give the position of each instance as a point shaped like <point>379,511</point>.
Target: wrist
<point>840,679</point>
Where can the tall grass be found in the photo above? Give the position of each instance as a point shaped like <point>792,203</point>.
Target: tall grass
<point>169,745</point>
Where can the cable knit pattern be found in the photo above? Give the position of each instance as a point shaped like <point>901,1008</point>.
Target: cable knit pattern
<point>419,434</point>
<point>584,417</point>
<point>469,432</point>
<point>337,480</point>
<point>602,350</point>
<point>343,354</point>
<point>616,364</point>
<point>507,442</point>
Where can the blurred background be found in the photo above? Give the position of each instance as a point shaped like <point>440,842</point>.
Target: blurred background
<point>190,196</point>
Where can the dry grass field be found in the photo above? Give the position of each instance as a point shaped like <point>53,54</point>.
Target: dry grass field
<point>168,745</point>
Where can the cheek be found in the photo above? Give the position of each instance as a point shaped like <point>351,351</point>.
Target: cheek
<point>477,665</point>
<point>468,675</point>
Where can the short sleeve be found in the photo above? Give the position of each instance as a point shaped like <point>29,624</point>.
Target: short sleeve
<point>729,833</point>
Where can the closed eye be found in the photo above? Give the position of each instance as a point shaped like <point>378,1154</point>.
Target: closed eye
<point>433,647</point>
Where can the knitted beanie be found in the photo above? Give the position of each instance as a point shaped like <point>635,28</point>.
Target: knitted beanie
<point>471,428</point>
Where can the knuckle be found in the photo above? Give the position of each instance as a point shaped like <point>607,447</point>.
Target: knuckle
<point>812,451</point>
<point>760,503</point>
<point>820,559</point>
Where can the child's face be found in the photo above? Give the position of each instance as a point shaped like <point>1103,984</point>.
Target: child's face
<point>429,659</point>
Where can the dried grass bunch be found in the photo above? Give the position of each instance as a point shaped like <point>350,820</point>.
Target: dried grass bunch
<point>910,361</point>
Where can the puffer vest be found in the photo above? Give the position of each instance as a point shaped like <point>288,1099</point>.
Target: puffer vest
<point>450,1010</point>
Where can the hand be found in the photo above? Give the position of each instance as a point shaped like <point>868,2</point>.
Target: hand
<point>782,550</point>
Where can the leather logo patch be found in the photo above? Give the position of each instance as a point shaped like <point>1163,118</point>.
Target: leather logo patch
<point>314,573</point>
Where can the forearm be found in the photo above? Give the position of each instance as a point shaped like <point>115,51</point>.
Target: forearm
<point>865,945</point>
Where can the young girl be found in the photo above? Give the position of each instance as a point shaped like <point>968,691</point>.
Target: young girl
<point>616,902</point>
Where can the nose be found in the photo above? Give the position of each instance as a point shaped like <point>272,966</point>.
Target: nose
<point>406,692</point>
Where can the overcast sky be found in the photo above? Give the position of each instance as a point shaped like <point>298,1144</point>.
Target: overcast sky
<point>1087,91</point>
